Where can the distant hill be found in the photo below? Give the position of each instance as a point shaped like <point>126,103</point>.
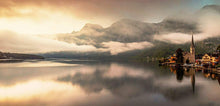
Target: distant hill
<point>19,56</point>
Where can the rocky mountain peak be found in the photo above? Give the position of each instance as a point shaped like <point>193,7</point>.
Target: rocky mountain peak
<point>89,26</point>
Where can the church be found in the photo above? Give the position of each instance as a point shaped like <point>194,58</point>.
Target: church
<point>189,57</point>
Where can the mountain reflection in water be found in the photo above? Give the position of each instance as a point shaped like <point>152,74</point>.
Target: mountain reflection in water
<point>73,82</point>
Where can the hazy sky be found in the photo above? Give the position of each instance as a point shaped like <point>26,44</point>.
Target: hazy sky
<point>64,16</point>
<point>35,26</point>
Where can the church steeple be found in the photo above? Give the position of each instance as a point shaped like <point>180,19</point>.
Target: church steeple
<point>191,56</point>
<point>192,51</point>
<point>192,47</point>
<point>192,43</point>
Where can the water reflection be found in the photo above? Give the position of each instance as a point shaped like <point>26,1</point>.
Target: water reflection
<point>105,83</point>
<point>184,71</point>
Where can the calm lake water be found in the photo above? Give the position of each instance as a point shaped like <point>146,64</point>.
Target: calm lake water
<point>79,83</point>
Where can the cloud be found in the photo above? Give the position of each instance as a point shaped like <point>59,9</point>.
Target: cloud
<point>208,20</point>
<point>124,31</point>
<point>43,16</point>
<point>174,29</point>
<point>102,12</point>
<point>94,7</point>
<point>122,36</point>
<point>12,42</point>
<point>117,47</point>
<point>206,24</point>
<point>179,38</point>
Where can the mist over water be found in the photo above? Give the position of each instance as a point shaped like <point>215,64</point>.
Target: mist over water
<point>82,82</point>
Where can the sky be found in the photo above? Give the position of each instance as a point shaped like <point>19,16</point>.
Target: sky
<point>33,26</point>
<point>64,16</point>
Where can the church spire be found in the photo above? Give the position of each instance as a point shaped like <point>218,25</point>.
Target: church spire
<point>192,51</point>
<point>192,43</point>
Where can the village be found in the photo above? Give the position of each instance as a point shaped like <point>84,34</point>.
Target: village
<point>190,59</point>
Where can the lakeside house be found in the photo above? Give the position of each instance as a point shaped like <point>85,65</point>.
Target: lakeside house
<point>212,59</point>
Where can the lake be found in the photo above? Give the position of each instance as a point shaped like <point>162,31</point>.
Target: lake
<point>90,83</point>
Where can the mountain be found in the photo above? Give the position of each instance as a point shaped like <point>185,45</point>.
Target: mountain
<point>170,25</point>
<point>127,31</point>
<point>92,27</point>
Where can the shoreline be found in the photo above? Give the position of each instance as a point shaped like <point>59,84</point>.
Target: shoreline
<point>11,60</point>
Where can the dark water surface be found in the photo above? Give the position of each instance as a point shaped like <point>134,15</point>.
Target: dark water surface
<point>79,83</point>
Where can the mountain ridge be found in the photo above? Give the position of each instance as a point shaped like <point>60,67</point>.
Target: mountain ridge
<point>132,31</point>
